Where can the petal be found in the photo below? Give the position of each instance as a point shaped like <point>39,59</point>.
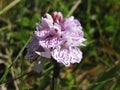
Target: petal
<point>31,55</point>
<point>57,16</point>
<point>49,42</point>
<point>32,47</point>
<point>46,54</point>
<point>41,34</point>
<point>46,23</point>
<point>30,51</point>
<point>73,37</point>
<point>62,56</point>
<point>49,17</point>
<point>67,56</point>
<point>56,31</point>
<point>38,67</point>
<point>75,54</point>
<point>38,27</point>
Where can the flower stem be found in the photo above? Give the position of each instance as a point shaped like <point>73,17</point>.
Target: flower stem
<point>55,78</point>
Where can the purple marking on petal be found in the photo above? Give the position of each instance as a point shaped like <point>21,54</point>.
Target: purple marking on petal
<point>41,34</point>
<point>76,54</point>
<point>59,38</point>
<point>61,55</point>
<point>49,42</point>
<point>67,56</point>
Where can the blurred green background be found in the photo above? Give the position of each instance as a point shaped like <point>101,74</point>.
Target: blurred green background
<point>100,66</point>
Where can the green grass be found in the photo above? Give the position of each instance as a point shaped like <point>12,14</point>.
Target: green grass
<point>100,66</point>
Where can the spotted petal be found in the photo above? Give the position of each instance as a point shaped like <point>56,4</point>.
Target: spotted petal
<point>61,56</point>
<point>67,56</point>
<point>75,54</point>
<point>49,42</point>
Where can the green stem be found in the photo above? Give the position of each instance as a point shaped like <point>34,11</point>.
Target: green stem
<point>55,79</point>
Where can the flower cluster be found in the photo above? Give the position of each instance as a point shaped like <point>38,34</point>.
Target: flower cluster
<point>57,38</point>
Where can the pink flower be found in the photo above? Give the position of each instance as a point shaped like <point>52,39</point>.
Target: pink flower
<point>57,38</point>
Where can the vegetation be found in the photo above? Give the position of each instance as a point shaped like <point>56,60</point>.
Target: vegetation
<point>100,66</point>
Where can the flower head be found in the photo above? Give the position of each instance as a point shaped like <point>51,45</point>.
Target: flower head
<point>57,38</point>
